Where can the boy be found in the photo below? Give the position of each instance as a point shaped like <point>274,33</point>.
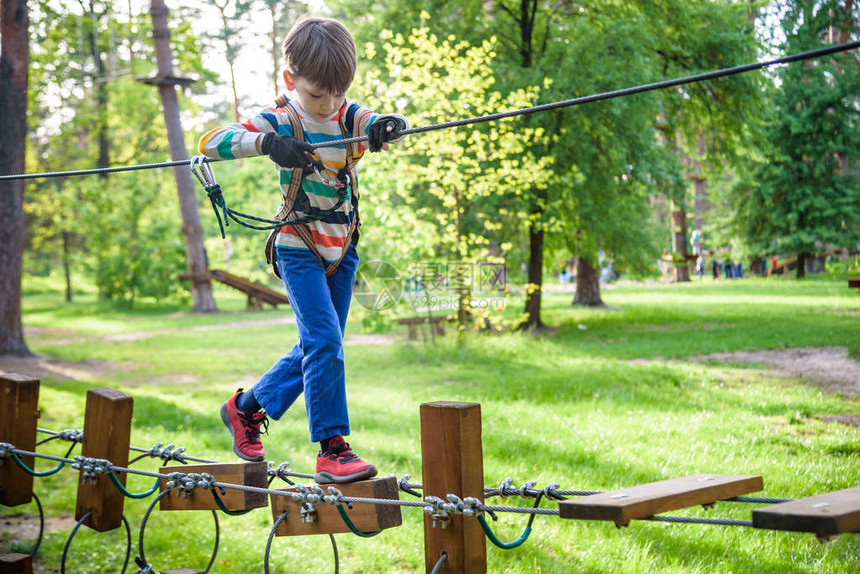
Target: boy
<point>317,260</point>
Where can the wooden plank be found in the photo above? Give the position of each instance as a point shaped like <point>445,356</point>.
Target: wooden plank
<point>365,517</point>
<point>854,283</point>
<point>107,435</point>
<point>16,564</point>
<point>245,473</point>
<point>19,412</point>
<point>622,506</point>
<point>826,514</point>
<point>452,462</point>
<point>250,288</point>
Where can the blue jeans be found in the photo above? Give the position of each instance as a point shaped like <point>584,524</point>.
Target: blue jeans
<point>315,365</point>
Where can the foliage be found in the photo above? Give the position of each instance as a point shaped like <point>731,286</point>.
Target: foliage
<point>800,192</point>
<point>89,110</point>
<point>464,185</point>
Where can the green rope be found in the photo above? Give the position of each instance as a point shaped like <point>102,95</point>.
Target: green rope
<point>55,470</point>
<point>115,480</point>
<point>503,545</point>
<point>226,510</point>
<point>513,544</point>
<point>226,213</point>
<point>352,527</point>
<point>32,472</point>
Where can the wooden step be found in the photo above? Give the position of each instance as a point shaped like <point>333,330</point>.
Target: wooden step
<point>826,514</point>
<point>622,506</point>
<point>326,518</point>
<point>245,473</point>
<point>16,564</point>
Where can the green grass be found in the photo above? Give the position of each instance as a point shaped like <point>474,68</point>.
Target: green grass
<point>573,407</point>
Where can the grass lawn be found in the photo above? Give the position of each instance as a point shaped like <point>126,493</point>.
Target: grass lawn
<point>609,400</point>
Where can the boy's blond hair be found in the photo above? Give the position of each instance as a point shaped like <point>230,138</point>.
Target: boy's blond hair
<point>322,51</point>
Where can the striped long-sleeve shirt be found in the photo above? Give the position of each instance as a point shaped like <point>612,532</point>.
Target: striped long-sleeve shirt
<point>331,233</point>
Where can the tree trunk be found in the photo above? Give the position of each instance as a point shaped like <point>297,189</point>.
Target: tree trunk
<point>587,284</point>
<point>195,252</point>
<point>535,279</point>
<point>801,265</point>
<point>680,272</point>
<point>14,64</point>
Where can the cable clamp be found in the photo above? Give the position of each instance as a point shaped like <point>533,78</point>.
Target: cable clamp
<point>403,484</point>
<point>91,468</point>
<point>529,485</point>
<point>174,480</point>
<point>71,435</point>
<point>334,497</point>
<point>6,449</point>
<point>439,510</point>
<point>549,491</point>
<point>280,471</point>
<point>168,453</point>
<point>505,486</point>
<point>308,513</point>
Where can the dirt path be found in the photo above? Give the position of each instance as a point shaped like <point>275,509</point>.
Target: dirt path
<point>830,367</point>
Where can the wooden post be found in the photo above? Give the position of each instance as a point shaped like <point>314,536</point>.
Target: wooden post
<point>19,400</point>
<point>16,564</point>
<point>107,434</point>
<point>452,462</point>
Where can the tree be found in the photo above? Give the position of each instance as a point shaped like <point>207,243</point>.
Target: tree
<point>809,196</point>
<point>14,76</point>
<point>201,287</point>
<point>460,182</point>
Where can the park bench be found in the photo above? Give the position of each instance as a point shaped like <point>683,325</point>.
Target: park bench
<point>412,323</point>
<point>257,294</point>
<point>854,282</point>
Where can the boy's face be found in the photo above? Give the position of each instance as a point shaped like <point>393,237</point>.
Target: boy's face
<point>317,102</point>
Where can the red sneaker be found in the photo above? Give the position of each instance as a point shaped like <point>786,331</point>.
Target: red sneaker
<point>339,464</point>
<point>245,429</point>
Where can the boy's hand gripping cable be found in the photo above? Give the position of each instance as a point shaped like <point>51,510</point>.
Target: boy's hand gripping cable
<point>202,170</point>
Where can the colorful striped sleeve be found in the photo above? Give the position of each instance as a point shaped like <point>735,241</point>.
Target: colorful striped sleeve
<point>240,140</point>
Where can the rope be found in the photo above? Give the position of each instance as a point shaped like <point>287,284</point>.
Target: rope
<point>513,544</point>
<point>438,566</point>
<point>811,54</point>
<point>352,527</point>
<point>438,508</point>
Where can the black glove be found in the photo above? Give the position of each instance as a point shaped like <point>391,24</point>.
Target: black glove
<point>381,130</point>
<point>288,152</point>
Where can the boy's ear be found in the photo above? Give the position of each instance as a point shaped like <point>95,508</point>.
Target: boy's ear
<point>288,80</point>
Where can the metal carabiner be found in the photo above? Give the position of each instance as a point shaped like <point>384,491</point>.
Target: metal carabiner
<point>202,170</point>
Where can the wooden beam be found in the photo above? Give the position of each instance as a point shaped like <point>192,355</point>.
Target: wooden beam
<point>107,435</point>
<point>326,518</point>
<point>246,473</point>
<point>826,514</point>
<point>19,411</point>
<point>453,463</point>
<point>622,506</point>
